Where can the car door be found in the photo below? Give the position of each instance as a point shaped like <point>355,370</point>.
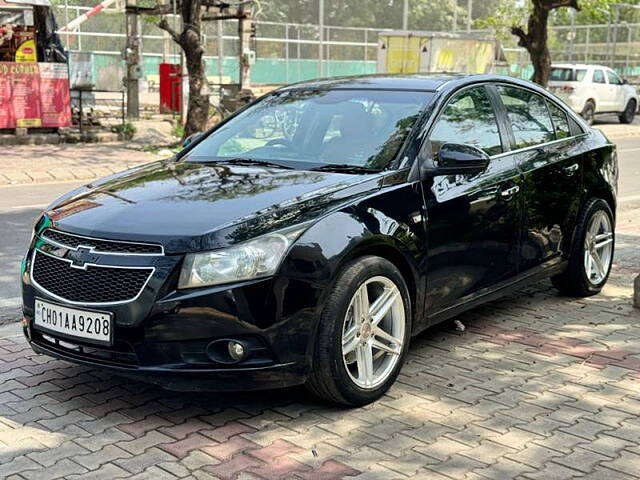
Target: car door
<point>617,91</point>
<point>473,221</point>
<point>602,93</point>
<point>552,174</point>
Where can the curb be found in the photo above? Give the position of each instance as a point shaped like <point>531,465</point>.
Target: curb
<point>10,329</point>
<point>62,174</point>
<point>56,138</point>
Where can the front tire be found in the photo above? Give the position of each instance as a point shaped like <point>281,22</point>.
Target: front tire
<point>364,333</point>
<point>629,112</point>
<point>591,253</point>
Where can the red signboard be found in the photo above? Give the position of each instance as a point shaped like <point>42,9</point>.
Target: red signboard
<point>34,95</point>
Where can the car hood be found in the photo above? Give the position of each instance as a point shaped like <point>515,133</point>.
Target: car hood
<point>196,206</point>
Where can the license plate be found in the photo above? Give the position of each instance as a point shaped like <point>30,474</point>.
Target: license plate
<point>92,326</point>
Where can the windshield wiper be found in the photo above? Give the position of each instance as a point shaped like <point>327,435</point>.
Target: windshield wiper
<point>345,168</point>
<point>250,161</point>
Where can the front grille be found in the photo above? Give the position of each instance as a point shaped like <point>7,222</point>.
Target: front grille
<point>98,245</point>
<point>93,285</point>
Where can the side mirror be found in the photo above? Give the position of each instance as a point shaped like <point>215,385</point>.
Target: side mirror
<point>625,81</point>
<point>190,139</point>
<point>456,159</point>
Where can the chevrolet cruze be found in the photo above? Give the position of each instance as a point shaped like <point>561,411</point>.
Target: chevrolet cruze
<point>308,237</point>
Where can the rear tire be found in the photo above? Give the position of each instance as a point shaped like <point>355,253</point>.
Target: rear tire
<point>585,276</point>
<point>629,112</point>
<point>589,112</point>
<point>349,368</point>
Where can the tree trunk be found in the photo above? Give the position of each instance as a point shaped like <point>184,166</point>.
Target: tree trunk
<point>190,42</point>
<point>535,42</point>
<point>535,38</point>
<point>538,49</point>
<point>198,107</point>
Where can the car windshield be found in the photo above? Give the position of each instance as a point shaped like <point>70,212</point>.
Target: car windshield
<point>567,74</point>
<point>308,129</point>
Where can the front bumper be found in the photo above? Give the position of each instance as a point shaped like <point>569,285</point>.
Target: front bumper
<point>179,378</point>
<point>164,336</point>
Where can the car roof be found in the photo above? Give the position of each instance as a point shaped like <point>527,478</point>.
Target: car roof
<point>578,65</point>
<point>415,82</point>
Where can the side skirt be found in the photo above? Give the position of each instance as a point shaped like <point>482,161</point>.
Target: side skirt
<point>534,275</point>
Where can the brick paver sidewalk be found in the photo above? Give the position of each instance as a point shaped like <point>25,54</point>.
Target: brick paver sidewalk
<point>538,387</point>
<point>55,163</point>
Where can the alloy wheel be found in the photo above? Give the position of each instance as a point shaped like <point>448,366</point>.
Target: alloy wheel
<point>373,332</point>
<point>598,247</point>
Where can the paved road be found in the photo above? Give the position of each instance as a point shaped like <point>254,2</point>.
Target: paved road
<point>20,205</point>
<point>629,158</point>
<point>539,386</point>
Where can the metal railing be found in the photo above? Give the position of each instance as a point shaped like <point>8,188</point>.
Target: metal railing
<point>298,51</point>
<point>97,108</point>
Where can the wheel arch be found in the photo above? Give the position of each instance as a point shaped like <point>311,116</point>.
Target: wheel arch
<point>606,195</point>
<point>391,253</point>
<point>631,99</point>
<point>322,252</point>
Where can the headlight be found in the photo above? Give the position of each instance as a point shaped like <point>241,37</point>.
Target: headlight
<point>256,258</point>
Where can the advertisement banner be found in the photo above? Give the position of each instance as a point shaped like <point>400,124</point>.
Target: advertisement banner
<point>55,100</point>
<point>34,95</point>
<point>6,107</point>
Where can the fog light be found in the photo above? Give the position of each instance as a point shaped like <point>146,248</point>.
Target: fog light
<point>236,351</point>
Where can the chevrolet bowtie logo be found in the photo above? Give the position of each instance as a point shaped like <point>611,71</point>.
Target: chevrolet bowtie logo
<point>80,257</point>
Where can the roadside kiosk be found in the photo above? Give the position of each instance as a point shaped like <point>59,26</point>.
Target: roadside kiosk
<point>34,73</point>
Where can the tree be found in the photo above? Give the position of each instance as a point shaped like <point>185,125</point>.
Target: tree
<point>189,40</point>
<point>534,40</point>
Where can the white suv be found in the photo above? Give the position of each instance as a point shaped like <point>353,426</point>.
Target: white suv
<point>594,89</point>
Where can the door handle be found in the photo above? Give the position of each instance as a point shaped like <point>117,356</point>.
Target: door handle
<point>509,192</point>
<point>571,169</point>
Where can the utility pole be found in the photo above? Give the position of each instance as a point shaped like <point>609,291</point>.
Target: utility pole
<point>469,12</point>
<point>244,36</point>
<point>219,26</point>
<point>572,34</point>
<point>132,59</point>
<point>405,15</point>
<point>321,37</point>
<point>455,16</point>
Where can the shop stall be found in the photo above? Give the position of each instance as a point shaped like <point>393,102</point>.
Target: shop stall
<point>34,72</point>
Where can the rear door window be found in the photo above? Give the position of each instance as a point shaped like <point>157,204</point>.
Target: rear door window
<point>598,76</point>
<point>560,122</point>
<point>468,119</point>
<point>528,115</point>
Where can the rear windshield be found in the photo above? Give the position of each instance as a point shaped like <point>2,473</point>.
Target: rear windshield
<point>567,74</point>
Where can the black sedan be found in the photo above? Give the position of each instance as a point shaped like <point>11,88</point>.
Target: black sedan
<point>308,237</point>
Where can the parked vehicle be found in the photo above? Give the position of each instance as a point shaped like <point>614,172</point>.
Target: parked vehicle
<point>593,89</point>
<point>313,255</point>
